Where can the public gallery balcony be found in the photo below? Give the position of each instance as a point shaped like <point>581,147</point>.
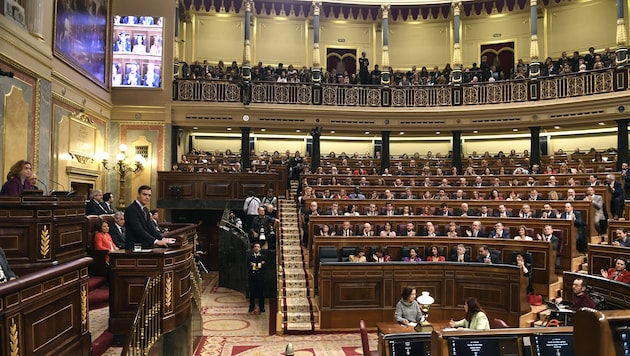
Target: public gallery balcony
<point>500,92</point>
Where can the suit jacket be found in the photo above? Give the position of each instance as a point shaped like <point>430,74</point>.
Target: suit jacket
<point>623,277</point>
<point>5,266</point>
<point>507,214</point>
<point>139,229</point>
<point>598,204</point>
<point>95,208</point>
<point>453,257</point>
<point>504,235</point>
<point>494,259</point>
<point>117,236</point>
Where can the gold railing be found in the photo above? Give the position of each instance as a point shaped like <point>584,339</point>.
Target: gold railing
<point>146,329</point>
<point>508,91</point>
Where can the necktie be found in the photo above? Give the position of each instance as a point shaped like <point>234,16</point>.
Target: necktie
<point>146,213</point>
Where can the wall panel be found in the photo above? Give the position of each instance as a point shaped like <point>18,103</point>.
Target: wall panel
<point>217,143</point>
<point>349,147</point>
<point>278,41</point>
<point>419,44</point>
<point>280,144</point>
<point>211,35</point>
<point>397,148</point>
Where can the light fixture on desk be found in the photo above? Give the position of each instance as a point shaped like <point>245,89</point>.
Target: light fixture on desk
<point>123,168</point>
<point>425,301</point>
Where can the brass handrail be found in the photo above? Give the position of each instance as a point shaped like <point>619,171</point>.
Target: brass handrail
<point>146,327</point>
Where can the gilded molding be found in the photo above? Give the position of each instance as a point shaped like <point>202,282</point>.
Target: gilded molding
<point>168,292</point>
<point>14,338</point>
<point>84,308</point>
<point>44,242</point>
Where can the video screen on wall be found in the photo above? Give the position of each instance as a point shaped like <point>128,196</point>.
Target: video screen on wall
<point>137,51</point>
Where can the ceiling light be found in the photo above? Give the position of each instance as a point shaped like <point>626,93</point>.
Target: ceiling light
<point>475,131</point>
<point>602,123</point>
<point>229,129</point>
<point>556,127</point>
<point>298,130</point>
<point>332,131</point>
<point>437,132</point>
<point>195,128</point>
<point>263,130</point>
<point>515,130</point>
<point>402,132</point>
<point>367,132</point>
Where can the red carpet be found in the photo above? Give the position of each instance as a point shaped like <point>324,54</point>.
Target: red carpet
<point>102,343</point>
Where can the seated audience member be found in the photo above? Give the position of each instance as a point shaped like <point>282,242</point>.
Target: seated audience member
<point>357,194</point>
<point>155,215</point>
<point>443,210</point>
<point>407,309</point>
<point>475,230</point>
<point>460,254</point>
<point>618,273</point>
<point>411,229</point>
<point>526,212</point>
<point>522,234</point>
<point>581,299</point>
<point>103,240</point>
<point>334,210</point>
<point>372,210</point>
<point>475,319</point>
<point>325,231</point>
<point>6,274</point>
<point>483,212</point>
<point>531,182</point>
<point>387,230</point>
<point>502,212</point>
<point>346,229</point>
<point>367,230</point>
<point>407,211</point>
<point>96,205</point>
<point>351,210</point>
<point>526,269</point>
<point>413,256</point>
<point>108,200</point>
<point>429,229</point>
<point>389,209</point>
<point>547,212</point>
<point>359,257</point>
<point>117,232</point>
<point>485,256</point>
<point>18,178</point>
<point>621,238</point>
<point>435,255</point>
<point>451,230</point>
<point>464,210</point>
<point>499,232</point>
<point>380,255</point>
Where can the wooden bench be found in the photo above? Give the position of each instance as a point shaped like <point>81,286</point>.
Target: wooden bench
<point>616,294</point>
<point>350,292</point>
<point>564,229</point>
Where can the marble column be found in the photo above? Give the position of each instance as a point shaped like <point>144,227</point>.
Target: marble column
<point>245,159</point>
<point>534,149</point>
<point>534,66</point>
<point>385,74</point>
<point>457,54</point>
<point>35,18</point>
<point>247,53</point>
<point>622,142</point>
<point>317,70</point>
<point>385,150</point>
<point>622,51</point>
<point>456,160</point>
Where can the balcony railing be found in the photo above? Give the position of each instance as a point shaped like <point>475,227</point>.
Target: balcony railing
<point>499,92</point>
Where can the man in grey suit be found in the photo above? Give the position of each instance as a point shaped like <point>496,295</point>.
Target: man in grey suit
<point>601,221</point>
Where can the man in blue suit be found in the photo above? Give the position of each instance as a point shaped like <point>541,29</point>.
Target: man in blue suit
<point>140,228</point>
<point>499,232</point>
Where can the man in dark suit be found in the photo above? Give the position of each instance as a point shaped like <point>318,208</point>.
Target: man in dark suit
<point>140,229</point>
<point>502,212</point>
<point>486,257</point>
<point>117,231</point>
<point>96,206</point>
<point>6,274</point>
<point>460,254</point>
<point>499,232</point>
<point>576,217</point>
<point>617,195</point>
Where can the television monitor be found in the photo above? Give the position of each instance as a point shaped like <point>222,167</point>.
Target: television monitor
<point>417,344</point>
<point>482,346</point>
<point>137,51</point>
<point>621,337</point>
<point>553,344</point>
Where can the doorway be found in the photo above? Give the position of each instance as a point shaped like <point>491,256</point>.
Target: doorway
<point>341,59</point>
<point>501,55</point>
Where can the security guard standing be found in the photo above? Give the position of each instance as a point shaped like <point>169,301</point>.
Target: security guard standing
<point>256,279</point>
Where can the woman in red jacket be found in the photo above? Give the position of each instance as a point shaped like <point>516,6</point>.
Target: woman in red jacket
<point>618,273</point>
<point>103,240</point>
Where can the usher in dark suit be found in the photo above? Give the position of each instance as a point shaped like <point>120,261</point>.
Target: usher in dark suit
<point>139,229</point>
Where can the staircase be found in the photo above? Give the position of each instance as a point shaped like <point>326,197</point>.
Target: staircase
<point>294,289</point>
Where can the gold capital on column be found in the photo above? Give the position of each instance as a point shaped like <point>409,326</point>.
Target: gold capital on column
<point>385,10</point>
<point>533,3</point>
<point>533,49</point>
<point>457,7</point>
<point>248,5</point>
<point>317,6</point>
<point>621,32</point>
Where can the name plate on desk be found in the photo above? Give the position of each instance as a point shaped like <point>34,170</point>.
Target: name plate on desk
<point>418,343</point>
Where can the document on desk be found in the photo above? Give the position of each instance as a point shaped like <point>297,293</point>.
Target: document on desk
<point>412,324</point>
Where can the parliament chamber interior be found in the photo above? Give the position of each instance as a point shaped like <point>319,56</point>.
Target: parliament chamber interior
<point>470,154</point>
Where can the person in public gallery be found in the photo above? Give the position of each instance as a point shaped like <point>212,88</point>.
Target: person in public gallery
<point>18,178</point>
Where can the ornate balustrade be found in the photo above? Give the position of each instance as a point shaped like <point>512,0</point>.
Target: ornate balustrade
<point>509,91</point>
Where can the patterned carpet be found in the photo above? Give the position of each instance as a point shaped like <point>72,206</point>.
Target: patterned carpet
<point>229,330</point>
